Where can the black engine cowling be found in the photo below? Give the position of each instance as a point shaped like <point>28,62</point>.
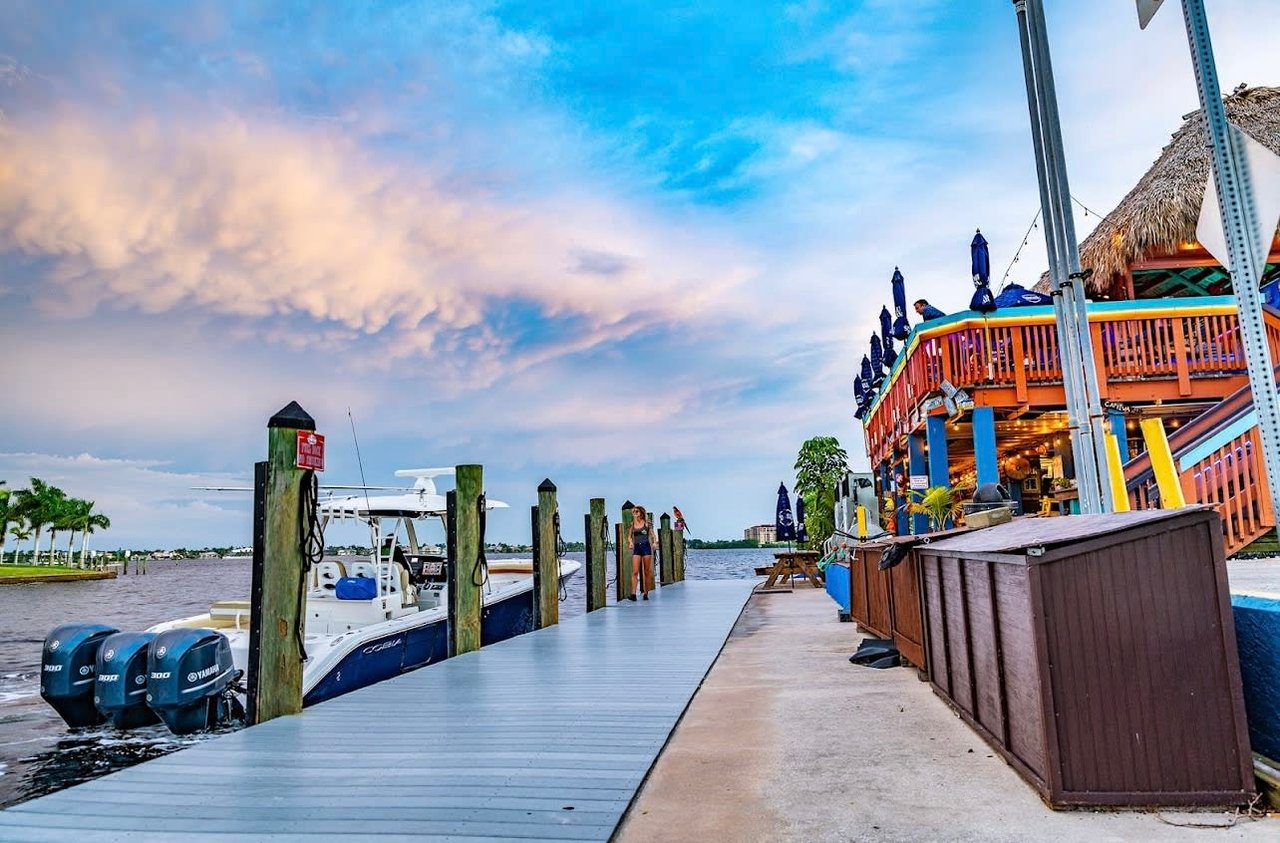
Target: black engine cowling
<point>121,690</point>
<point>67,671</point>
<point>190,675</point>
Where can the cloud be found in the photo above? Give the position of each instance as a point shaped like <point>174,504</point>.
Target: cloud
<point>149,504</point>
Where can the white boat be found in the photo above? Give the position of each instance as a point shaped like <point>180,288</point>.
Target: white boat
<point>351,643</point>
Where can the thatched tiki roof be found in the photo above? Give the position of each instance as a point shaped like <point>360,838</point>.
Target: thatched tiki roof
<point>1160,213</point>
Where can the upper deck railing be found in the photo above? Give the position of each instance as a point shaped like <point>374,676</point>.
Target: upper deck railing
<point>1145,349</point>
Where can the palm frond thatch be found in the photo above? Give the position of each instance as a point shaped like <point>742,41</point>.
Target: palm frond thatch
<point>1161,211</point>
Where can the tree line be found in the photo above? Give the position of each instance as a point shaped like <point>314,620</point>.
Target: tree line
<point>29,513</point>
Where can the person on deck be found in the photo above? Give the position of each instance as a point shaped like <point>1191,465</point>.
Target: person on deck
<point>927,311</point>
<point>642,544</point>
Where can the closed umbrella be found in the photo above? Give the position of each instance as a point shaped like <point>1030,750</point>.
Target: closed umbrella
<point>890,356</point>
<point>877,360</point>
<point>886,323</point>
<point>900,326</point>
<point>1016,295</point>
<point>801,534</point>
<point>859,398</point>
<point>868,376</point>
<point>786,527</point>
<point>980,260</point>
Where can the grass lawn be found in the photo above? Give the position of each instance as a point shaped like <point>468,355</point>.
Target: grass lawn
<point>35,570</point>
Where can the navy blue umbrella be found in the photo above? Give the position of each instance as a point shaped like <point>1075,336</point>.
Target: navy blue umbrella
<point>980,259</point>
<point>900,326</point>
<point>801,534</point>
<point>868,376</point>
<point>877,359</point>
<point>1016,295</point>
<point>890,356</point>
<point>859,390</point>
<point>786,527</point>
<point>886,323</point>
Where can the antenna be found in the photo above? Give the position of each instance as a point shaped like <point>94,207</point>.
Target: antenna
<point>359,461</point>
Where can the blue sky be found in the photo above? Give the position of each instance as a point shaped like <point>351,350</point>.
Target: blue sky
<point>636,248</point>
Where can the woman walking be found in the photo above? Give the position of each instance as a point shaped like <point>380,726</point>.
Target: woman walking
<point>642,544</point>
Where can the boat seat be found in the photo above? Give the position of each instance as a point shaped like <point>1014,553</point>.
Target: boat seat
<point>395,579</point>
<point>328,573</point>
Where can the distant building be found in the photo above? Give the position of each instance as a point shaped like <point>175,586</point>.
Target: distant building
<point>763,533</point>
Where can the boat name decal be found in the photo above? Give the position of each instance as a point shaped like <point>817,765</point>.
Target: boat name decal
<point>378,648</point>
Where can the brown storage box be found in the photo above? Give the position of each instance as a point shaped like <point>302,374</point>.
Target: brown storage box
<point>1096,653</point>
<point>887,603</point>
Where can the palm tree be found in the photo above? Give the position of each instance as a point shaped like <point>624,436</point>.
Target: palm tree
<point>20,534</point>
<point>5,517</point>
<point>95,521</point>
<point>73,515</point>
<point>39,507</point>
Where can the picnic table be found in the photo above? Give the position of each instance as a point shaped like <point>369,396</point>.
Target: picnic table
<point>787,564</point>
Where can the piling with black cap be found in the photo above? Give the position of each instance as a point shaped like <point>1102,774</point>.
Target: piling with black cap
<point>276,626</point>
<point>546,564</point>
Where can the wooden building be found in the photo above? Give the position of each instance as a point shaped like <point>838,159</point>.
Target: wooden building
<point>1166,344</point>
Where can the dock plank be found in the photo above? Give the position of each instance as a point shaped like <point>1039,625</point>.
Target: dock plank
<point>546,736</point>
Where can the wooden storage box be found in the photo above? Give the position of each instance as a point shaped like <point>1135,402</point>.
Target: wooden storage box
<point>1096,653</point>
<point>887,603</point>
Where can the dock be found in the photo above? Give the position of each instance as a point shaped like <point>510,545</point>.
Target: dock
<point>548,735</point>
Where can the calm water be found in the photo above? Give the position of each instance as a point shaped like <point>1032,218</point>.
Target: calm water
<point>39,755</point>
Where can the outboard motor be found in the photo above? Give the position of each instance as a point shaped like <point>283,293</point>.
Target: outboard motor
<point>121,690</point>
<point>67,671</point>
<point>191,679</point>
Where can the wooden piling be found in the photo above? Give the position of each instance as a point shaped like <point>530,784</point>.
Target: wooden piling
<point>666,551</point>
<point>276,615</point>
<point>678,556</point>
<point>618,584</point>
<point>597,539</point>
<point>466,572</point>
<point>546,564</point>
<point>626,562</point>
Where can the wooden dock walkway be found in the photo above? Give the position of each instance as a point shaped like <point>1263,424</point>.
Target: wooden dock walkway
<point>545,736</point>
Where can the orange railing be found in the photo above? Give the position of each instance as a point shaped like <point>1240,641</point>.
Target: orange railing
<point>1011,357</point>
<point>1219,459</point>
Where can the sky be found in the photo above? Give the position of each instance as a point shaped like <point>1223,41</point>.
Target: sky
<point>636,248</point>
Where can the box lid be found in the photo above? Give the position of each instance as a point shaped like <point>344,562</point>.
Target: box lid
<point>1047,532</point>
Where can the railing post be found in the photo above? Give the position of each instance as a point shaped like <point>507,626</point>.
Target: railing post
<point>1018,349</point>
<point>597,540</point>
<point>466,571</point>
<point>679,548</point>
<point>276,616</point>
<point>546,567</point>
<point>666,551</point>
<point>1180,347</point>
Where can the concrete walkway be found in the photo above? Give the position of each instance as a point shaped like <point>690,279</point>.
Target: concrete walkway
<point>786,740</point>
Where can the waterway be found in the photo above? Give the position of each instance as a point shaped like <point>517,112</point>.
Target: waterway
<point>39,755</point>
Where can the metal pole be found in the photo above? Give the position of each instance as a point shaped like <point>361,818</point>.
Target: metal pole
<point>1239,224</point>
<point>1094,459</point>
<point>1051,205</point>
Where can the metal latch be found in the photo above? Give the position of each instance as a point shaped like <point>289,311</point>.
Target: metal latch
<point>1035,551</point>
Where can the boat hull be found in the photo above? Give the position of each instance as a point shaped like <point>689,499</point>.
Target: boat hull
<point>405,650</point>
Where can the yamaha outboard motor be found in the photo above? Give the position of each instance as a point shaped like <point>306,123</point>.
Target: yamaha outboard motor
<point>121,691</point>
<point>67,671</point>
<point>190,680</point>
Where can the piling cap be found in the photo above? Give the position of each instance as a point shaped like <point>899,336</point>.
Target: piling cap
<point>628,505</point>
<point>546,486</point>
<point>293,416</point>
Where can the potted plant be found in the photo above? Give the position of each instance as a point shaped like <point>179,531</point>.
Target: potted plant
<point>939,504</point>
